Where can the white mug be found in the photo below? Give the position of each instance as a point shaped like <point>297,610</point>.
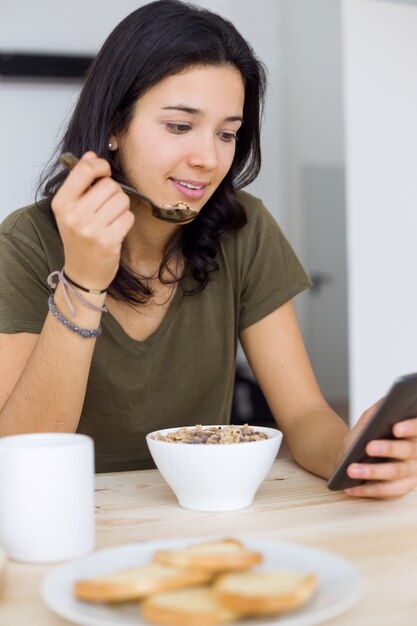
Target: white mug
<point>47,496</point>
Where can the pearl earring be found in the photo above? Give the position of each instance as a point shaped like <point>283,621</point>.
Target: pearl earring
<point>110,145</point>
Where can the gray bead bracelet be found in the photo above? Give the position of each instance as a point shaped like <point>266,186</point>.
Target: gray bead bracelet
<point>83,332</point>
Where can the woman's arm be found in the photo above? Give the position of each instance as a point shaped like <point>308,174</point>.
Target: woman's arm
<point>316,436</point>
<point>44,378</point>
<point>276,353</point>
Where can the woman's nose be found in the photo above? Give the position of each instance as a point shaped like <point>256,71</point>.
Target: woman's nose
<point>204,154</point>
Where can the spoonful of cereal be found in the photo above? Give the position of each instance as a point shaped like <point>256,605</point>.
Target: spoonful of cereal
<point>179,212</point>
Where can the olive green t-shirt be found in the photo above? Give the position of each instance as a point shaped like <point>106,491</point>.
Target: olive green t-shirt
<point>183,374</point>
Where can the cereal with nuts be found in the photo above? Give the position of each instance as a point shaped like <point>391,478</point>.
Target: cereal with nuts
<point>213,434</point>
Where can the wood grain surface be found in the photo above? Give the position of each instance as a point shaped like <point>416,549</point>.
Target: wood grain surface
<point>380,538</point>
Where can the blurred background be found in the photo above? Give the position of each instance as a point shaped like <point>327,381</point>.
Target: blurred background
<point>339,162</point>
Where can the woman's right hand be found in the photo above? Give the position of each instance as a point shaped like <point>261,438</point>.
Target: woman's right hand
<point>93,220</point>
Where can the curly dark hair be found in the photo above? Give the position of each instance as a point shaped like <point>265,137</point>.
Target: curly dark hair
<point>155,41</point>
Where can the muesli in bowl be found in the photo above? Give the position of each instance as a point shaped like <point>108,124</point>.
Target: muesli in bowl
<point>213,434</point>
<point>210,477</point>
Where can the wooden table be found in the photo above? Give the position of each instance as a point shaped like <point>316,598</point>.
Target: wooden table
<point>291,505</point>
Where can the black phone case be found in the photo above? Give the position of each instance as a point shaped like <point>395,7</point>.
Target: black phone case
<point>399,404</point>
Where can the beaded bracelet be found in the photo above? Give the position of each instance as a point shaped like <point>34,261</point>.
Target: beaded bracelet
<point>83,332</point>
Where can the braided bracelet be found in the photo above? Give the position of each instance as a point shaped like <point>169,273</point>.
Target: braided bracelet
<point>83,332</point>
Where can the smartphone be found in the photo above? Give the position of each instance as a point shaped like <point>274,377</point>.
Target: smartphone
<point>399,404</point>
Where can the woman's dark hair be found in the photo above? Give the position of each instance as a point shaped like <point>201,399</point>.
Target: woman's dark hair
<point>155,41</point>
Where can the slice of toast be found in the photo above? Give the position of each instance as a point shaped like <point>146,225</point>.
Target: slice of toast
<point>216,556</point>
<point>188,607</point>
<point>265,592</point>
<point>136,583</point>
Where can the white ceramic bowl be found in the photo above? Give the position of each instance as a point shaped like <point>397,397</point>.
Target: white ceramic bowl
<point>215,477</point>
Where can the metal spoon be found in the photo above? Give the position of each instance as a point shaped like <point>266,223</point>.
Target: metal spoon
<point>179,212</point>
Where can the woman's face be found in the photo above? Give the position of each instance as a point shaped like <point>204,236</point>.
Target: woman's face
<point>181,141</point>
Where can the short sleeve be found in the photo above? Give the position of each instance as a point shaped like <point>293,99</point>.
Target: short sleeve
<point>271,271</point>
<point>23,287</point>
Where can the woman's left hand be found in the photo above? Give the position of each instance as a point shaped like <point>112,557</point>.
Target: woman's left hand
<point>393,478</point>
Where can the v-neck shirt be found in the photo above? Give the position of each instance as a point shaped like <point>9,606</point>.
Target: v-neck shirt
<point>183,373</point>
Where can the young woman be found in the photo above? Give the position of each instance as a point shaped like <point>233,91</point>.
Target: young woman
<point>171,106</point>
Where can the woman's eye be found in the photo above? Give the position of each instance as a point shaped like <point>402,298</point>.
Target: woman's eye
<point>178,128</point>
<point>226,136</point>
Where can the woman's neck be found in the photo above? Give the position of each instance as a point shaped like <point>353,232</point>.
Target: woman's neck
<point>145,243</point>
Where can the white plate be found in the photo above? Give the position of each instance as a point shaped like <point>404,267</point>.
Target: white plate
<point>340,584</point>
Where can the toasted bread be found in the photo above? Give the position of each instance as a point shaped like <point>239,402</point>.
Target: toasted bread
<point>136,583</point>
<point>216,556</point>
<point>188,607</point>
<point>265,592</point>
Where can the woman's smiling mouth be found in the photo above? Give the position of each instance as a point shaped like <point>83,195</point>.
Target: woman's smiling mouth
<point>191,189</point>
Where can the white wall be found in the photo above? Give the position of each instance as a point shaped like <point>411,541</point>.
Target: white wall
<point>314,178</point>
<point>32,112</point>
<point>380,45</point>
<point>313,109</point>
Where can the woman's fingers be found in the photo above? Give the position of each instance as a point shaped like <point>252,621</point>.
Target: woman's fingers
<point>118,229</point>
<point>93,217</point>
<point>406,428</point>
<point>97,195</point>
<point>390,478</point>
<point>111,211</point>
<point>389,471</point>
<point>99,206</point>
<point>383,489</point>
<point>402,449</point>
<point>393,478</point>
<point>88,169</point>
